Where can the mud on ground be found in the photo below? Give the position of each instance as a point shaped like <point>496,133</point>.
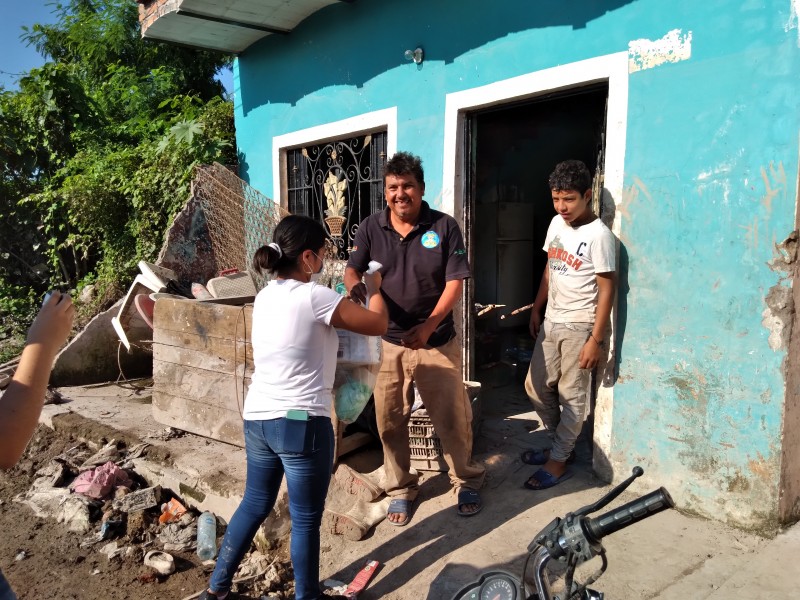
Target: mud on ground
<point>43,559</point>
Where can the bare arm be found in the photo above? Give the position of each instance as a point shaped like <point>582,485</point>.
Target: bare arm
<point>418,336</point>
<point>354,286</point>
<point>592,353</point>
<point>373,320</point>
<point>21,404</point>
<point>537,310</point>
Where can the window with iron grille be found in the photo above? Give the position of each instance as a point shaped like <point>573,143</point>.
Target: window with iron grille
<point>339,182</point>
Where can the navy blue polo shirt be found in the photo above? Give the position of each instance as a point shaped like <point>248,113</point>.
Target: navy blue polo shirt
<point>415,268</point>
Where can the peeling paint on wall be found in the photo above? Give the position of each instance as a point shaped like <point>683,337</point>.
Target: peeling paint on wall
<point>787,252</point>
<point>673,47</point>
<point>794,17</point>
<point>778,315</point>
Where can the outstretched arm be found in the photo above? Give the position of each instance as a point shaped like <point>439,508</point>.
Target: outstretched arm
<point>372,320</point>
<point>356,289</point>
<point>21,404</point>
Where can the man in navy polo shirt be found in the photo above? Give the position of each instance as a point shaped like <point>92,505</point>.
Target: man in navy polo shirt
<point>424,265</point>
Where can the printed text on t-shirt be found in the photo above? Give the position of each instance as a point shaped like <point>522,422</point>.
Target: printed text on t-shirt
<point>560,254</point>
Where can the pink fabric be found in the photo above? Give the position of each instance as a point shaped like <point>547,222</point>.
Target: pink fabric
<point>101,481</point>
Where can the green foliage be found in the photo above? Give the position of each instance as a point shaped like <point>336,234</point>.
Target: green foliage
<point>97,149</point>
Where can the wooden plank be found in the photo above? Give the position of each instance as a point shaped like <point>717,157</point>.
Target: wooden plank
<point>223,360</point>
<point>203,386</point>
<point>215,344</point>
<point>203,318</point>
<point>204,419</point>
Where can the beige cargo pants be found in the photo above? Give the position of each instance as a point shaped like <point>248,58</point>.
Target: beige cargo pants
<point>558,388</point>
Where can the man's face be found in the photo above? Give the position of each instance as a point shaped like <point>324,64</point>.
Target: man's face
<point>404,196</point>
<point>575,208</point>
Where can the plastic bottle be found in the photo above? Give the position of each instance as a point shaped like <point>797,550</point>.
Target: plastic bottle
<point>207,536</point>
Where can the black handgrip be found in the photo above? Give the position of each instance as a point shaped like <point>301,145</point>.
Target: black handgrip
<point>629,513</point>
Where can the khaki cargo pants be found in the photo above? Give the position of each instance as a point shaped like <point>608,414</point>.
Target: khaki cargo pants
<point>437,374</point>
<point>558,388</point>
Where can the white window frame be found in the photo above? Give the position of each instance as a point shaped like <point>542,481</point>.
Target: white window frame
<point>385,119</point>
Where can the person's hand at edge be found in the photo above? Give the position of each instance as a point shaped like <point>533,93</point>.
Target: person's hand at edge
<point>53,324</point>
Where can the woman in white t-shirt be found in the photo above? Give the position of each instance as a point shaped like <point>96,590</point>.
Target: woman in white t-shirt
<point>287,423</point>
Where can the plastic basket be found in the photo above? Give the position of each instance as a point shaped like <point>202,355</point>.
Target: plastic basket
<point>425,445</point>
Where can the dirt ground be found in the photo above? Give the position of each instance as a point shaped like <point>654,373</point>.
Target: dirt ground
<point>44,559</point>
<point>669,557</point>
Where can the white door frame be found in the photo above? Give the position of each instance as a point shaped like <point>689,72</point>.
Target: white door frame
<point>611,68</point>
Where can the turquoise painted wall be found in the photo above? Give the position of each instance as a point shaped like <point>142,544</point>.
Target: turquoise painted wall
<point>710,189</point>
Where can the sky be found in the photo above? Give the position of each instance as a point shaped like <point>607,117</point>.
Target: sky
<point>16,58</point>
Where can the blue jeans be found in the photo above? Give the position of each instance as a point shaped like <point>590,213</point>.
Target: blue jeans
<point>6,593</point>
<point>308,474</point>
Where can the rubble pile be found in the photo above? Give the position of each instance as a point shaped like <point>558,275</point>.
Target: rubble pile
<point>96,493</point>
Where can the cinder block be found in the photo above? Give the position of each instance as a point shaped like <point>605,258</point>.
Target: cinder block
<point>139,500</point>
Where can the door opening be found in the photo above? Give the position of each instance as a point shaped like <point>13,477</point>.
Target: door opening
<point>511,150</point>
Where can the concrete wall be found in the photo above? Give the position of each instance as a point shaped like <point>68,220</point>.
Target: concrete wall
<point>706,140</point>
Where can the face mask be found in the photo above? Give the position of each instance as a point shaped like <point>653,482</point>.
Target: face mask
<point>314,277</point>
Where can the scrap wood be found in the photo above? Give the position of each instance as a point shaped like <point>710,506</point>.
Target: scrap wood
<point>516,311</point>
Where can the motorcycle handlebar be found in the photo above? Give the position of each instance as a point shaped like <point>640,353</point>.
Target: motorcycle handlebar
<point>629,513</point>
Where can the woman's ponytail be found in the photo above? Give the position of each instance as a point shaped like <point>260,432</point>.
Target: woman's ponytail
<point>266,259</point>
<point>292,236</point>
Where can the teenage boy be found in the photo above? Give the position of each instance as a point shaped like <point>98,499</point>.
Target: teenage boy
<point>424,267</point>
<point>577,287</point>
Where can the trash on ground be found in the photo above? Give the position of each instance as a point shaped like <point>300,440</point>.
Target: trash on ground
<point>162,562</point>
<point>207,536</point>
<point>101,481</point>
<point>178,537</point>
<point>172,511</point>
<point>108,453</point>
<point>139,500</point>
<point>74,513</point>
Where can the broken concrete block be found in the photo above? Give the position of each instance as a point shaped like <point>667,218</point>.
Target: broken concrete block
<point>139,500</point>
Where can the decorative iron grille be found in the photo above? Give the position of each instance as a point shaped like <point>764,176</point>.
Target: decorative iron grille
<point>339,183</point>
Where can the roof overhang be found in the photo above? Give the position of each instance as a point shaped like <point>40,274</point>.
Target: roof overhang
<point>224,25</point>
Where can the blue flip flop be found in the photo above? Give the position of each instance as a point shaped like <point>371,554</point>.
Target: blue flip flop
<point>545,480</point>
<point>469,497</point>
<point>399,506</point>
<point>536,456</point>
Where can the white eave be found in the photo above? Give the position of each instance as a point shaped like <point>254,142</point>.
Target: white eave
<point>225,25</point>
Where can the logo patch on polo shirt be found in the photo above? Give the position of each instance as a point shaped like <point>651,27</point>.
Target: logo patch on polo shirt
<point>430,239</point>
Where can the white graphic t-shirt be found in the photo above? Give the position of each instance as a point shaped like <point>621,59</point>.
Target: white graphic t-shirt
<point>574,257</point>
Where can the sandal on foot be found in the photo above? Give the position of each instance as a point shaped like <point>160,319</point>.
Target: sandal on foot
<point>539,457</point>
<point>399,506</point>
<point>469,497</point>
<point>541,480</point>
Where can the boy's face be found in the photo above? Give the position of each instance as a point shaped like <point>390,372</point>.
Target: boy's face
<point>575,208</point>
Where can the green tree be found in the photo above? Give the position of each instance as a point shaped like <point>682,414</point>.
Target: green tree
<point>97,148</point>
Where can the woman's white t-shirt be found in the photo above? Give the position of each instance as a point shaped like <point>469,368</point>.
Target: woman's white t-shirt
<point>294,350</point>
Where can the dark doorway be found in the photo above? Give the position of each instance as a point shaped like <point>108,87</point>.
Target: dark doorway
<point>512,150</point>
